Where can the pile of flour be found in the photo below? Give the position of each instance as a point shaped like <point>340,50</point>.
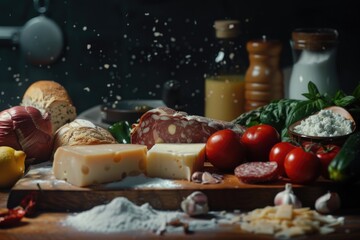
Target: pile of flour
<point>121,215</point>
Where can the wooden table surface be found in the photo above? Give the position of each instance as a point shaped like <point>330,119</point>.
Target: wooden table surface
<point>47,225</point>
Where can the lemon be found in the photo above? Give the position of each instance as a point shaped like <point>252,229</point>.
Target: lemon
<point>12,165</point>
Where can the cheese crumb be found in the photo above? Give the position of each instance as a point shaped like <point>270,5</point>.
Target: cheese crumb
<point>325,124</point>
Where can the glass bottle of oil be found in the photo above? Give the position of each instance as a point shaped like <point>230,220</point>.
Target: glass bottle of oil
<point>224,84</point>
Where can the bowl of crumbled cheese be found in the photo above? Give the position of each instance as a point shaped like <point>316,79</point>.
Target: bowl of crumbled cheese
<point>329,125</point>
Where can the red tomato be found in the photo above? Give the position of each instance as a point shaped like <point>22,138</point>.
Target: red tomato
<point>278,153</point>
<point>326,154</point>
<point>311,146</point>
<point>301,166</point>
<point>224,150</point>
<point>258,141</point>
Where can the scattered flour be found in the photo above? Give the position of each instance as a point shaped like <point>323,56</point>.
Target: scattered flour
<point>141,181</point>
<point>325,124</point>
<point>121,215</point>
<point>42,174</point>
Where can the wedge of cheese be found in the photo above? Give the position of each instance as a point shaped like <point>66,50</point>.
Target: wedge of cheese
<point>175,161</point>
<point>93,164</point>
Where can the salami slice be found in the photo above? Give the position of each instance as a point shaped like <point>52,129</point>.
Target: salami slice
<point>165,125</point>
<point>254,172</point>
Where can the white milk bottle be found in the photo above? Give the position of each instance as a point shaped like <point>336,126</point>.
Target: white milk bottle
<point>314,53</point>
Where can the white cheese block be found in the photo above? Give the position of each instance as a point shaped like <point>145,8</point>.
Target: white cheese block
<point>85,165</point>
<point>175,161</point>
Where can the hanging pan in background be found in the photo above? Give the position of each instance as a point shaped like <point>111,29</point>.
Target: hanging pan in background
<point>41,40</point>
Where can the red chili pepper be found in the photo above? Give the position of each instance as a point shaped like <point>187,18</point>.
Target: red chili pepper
<point>29,203</point>
<point>11,217</point>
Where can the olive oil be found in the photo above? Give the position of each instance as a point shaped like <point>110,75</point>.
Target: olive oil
<point>224,84</point>
<point>224,97</point>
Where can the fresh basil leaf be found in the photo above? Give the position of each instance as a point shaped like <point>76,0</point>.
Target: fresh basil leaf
<point>339,95</point>
<point>320,104</point>
<point>275,113</point>
<point>249,118</point>
<point>313,90</point>
<point>328,99</point>
<point>308,96</point>
<point>345,101</point>
<point>285,135</point>
<point>304,109</point>
<point>291,118</point>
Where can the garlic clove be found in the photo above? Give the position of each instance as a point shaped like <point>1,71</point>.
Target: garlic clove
<point>195,204</point>
<point>197,177</point>
<point>328,203</point>
<point>287,197</point>
<point>208,178</point>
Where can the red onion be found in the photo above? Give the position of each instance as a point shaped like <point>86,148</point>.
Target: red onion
<point>26,129</point>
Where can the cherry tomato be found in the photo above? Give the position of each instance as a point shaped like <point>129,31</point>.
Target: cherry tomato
<point>258,141</point>
<point>224,150</point>
<point>301,166</point>
<point>326,154</point>
<point>278,153</point>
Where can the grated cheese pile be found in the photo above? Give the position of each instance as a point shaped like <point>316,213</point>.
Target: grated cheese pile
<point>284,221</point>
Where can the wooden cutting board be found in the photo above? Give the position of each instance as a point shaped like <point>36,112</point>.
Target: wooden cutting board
<point>58,195</point>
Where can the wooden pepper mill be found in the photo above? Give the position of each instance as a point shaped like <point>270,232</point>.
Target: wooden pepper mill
<point>264,80</point>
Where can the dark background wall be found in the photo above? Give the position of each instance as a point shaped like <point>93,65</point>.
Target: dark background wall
<point>127,49</point>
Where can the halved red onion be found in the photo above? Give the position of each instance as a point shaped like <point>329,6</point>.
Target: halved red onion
<point>25,128</point>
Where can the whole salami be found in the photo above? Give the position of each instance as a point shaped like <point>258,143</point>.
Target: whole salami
<point>165,125</point>
<point>254,172</point>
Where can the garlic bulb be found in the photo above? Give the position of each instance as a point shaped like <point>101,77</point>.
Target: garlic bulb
<point>287,197</point>
<point>195,204</point>
<point>328,203</point>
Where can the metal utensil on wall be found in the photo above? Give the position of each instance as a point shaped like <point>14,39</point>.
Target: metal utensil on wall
<point>41,40</point>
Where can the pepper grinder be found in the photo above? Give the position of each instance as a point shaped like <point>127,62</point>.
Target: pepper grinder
<point>264,81</point>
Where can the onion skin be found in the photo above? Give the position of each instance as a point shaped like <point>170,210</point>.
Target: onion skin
<point>25,128</point>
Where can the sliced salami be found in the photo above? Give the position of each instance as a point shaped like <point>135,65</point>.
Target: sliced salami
<point>254,172</point>
<point>165,125</point>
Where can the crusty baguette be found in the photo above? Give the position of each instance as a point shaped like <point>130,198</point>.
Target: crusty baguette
<point>51,97</point>
<point>81,132</point>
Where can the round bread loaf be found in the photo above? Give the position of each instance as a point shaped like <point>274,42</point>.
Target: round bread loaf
<point>51,97</point>
<point>81,132</point>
